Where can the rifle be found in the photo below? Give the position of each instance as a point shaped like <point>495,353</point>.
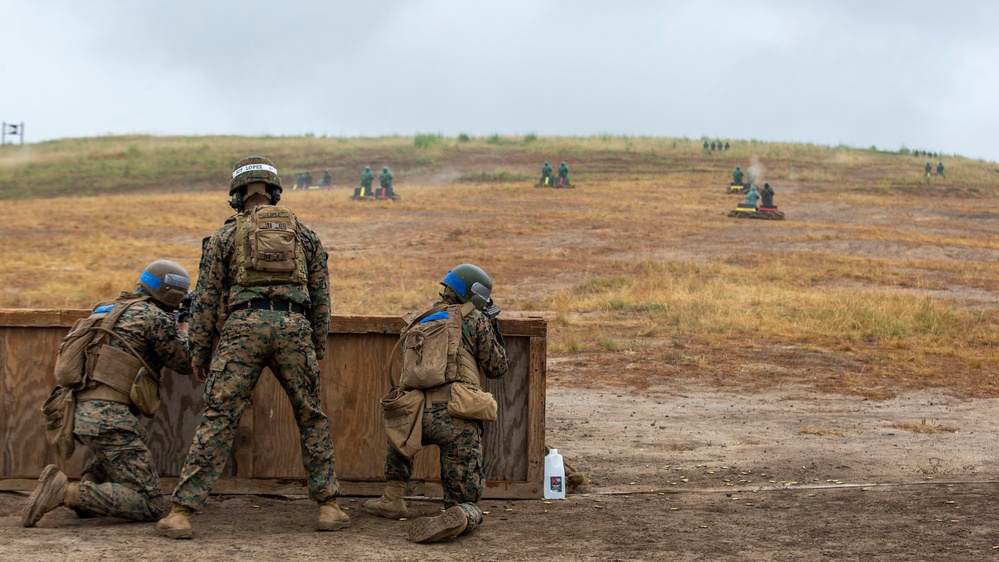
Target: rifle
<point>183,313</point>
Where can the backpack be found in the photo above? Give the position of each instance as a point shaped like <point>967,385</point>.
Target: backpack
<point>268,248</point>
<point>432,350</point>
<point>77,355</point>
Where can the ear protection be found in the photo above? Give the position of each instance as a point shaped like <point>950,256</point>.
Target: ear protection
<point>274,193</point>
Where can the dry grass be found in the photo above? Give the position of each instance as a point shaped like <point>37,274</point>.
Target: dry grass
<point>923,427</point>
<point>871,266</point>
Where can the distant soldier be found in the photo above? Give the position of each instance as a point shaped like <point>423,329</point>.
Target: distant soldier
<point>300,180</point>
<point>121,479</point>
<point>737,176</point>
<point>385,181</point>
<point>940,169</point>
<point>327,179</point>
<point>705,145</point>
<point>307,181</point>
<point>767,197</point>
<point>712,146</point>
<point>367,177</point>
<point>546,174</point>
<point>563,174</point>
<point>928,168</point>
<point>726,145</point>
<point>752,197</point>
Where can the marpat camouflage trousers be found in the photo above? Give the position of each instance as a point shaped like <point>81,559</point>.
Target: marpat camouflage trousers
<point>251,340</point>
<point>460,443</point>
<point>120,480</point>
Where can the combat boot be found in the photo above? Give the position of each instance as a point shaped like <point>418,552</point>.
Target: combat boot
<point>177,524</point>
<point>445,526</point>
<point>47,496</point>
<point>331,518</point>
<point>391,504</point>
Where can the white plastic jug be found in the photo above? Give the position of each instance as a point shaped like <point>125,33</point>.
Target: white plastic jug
<point>554,476</point>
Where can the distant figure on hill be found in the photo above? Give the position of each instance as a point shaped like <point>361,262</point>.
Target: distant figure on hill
<point>705,145</point>
<point>752,197</point>
<point>940,169</point>
<point>546,174</point>
<point>308,180</point>
<point>385,180</point>
<point>726,145</point>
<point>327,179</point>
<point>367,178</point>
<point>767,197</point>
<point>712,146</point>
<point>737,176</point>
<point>928,168</point>
<point>299,181</point>
<point>563,174</point>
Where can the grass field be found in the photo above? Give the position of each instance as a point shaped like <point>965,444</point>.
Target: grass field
<point>877,266</point>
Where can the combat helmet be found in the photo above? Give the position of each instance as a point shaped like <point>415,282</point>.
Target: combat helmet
<point>470,283</point>
<point>167,282</point>
<point>249,170</point>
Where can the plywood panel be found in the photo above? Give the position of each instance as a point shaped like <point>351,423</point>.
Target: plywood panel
<point>354,378</point>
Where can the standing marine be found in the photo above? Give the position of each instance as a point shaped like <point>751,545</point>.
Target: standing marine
<point>451,418</point>
<point>737,176</point>
<point>273,310</point>
<point>940,168</point>
<point>563,174</point>
<point>131,338</point>
<point>385,179</point>
<point>767,197</point>
<point>928,168</point>
<point>752,197</point>
<point>546,174</point>
<point>367,177</point>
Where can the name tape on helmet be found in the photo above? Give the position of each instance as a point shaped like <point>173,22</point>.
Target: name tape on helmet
<point>254,168</point>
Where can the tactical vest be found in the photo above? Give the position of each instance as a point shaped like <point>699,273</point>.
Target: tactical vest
<point>268,247</point>
<point>432,351</point>
<point>78,351</point>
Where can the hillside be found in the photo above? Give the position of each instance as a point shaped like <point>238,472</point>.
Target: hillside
<point>879,279</point>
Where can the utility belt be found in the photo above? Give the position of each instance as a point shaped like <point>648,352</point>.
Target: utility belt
<point>102,392</point>
<point>268,304</point>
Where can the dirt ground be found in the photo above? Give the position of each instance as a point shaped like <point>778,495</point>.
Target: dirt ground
<point>682,465</point>
<point>689,472</point>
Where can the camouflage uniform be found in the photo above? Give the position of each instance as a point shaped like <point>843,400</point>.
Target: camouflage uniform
<point>459,440</point>
<point>121,480</point>
<point>289,342</point>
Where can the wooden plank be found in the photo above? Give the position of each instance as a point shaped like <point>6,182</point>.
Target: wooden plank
<point>288,487</point>
<point>339,323</point>
<point>536,410</point>
<point>170,431</point>
<point>504,442</point>
<point>275,446</point>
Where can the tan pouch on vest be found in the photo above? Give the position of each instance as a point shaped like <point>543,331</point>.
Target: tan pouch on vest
<point>145,393</point>
<point>116,368</point>
<point>404,420</point>
<point>471,403</point>
<point>60,412</point>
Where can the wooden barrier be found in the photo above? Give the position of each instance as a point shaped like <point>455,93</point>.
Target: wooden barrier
<point>266,456</point>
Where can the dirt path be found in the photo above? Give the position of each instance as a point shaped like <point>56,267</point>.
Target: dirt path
<point>685,473</point>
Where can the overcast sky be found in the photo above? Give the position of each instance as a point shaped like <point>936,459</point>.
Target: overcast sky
<point>916,73</point>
